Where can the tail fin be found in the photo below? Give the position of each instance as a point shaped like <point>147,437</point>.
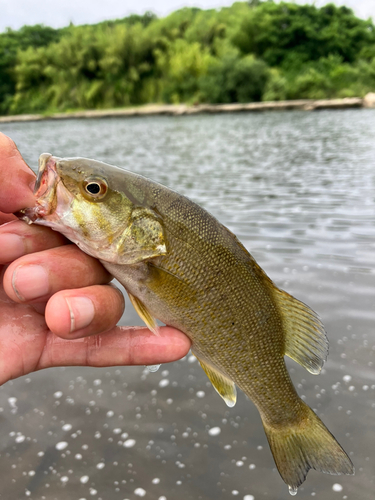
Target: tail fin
<point>304,446</point>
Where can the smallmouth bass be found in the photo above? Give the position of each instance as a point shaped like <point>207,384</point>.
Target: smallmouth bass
<point>180,265</point>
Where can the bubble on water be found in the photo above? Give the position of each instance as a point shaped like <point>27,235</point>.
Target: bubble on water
<point>235,492</point>
<point>239,463</point>
<point>248,497</point>
<point>93,491</point>
<point>293,490</point>
<point>20,439</point>
<point>31,472</point>
<point>67,427</point>
<point>214,431</point>
<point>337,487</point>
<point>165,373</point>
<point>64,479</point>
<point>192,359</point>
<point>200,394</point>
<point>78,456</point>
<point>347,378</point>
<point>97,382</point>
<point>61,445</point>
<point>129,443</point>
<point>40,453</point>
<point>156,480</point>
<point>164,382</point>
<point>12,403</point>
<point>153,368</point>
<point>140,492</point>
<point>117,431</point>
<point>58,394</point>
<point>162,498</point>
<point>84,479</point>
<point>110,413</point>
<point>100,465</point>
<point>252,466</point>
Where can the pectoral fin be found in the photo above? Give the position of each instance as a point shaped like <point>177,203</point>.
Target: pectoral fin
<point>144,314</point>
<point>224,386</point>
<point>305,339</point>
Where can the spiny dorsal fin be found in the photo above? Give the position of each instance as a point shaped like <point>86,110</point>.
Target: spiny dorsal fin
<point>305,338</point>
<point>223,385</point>
<point>144,314</point>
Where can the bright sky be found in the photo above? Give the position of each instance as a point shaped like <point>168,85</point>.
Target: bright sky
<point>16,13</point>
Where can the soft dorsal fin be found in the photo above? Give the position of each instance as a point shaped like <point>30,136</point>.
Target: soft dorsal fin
<point>144,314</point>
<point>223,385</point>
<point>305,338</point>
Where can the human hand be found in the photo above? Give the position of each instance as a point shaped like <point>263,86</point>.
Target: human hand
<point>56,304</point>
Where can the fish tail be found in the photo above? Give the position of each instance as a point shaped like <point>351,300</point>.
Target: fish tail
<point>305,445</point>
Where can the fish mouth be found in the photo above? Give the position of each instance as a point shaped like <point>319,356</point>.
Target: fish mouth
<point>44,190</point>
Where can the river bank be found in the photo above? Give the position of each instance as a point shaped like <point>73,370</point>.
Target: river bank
<point>184,109</point>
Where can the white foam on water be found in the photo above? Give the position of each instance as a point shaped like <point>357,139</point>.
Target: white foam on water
<point>140,492</point>
<point>129,443</point>
<point>214,431</point>
<point>61,445</point>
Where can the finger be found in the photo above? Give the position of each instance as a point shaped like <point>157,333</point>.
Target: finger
<point>4,218</point>
<point>36,277</point>
<point>18,238</point>
<point>117,347</point>
<point>16,178</point>
<point>87,311</point>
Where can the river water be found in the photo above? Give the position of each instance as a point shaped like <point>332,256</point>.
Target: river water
<point>298,189</point>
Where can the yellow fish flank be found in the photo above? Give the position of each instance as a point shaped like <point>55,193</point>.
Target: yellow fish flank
<point>180,265</point>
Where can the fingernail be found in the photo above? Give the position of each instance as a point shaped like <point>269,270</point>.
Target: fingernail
<point>12,247</point>
<point>82,312</point>
<point>30,282</point>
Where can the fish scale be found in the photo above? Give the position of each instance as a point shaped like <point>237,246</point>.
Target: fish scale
<point>180,265</point>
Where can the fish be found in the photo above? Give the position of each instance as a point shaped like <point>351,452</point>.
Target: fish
<point>180,265</point>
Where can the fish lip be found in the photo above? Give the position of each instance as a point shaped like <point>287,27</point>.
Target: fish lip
<point>45,185</point>
<point>46,165</point>
<point>44,190</point>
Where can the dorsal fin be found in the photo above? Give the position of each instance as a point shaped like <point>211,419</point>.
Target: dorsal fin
<point>223,385</point>
<point>305,338</point>
<point>144,314</point>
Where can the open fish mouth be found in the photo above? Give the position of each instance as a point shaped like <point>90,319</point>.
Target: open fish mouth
<point>44,190</point>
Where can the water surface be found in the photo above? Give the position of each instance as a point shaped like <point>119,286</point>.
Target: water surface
<point>299,191</point>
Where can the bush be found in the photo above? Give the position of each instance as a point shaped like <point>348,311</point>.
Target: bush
<point>234,79</point>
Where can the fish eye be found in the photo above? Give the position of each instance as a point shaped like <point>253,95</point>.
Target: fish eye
<point>95,188</point>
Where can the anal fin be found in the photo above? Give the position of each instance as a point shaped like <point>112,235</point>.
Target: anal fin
<point>144,314</point>
<point>305,338</point>
<point>223,385</point>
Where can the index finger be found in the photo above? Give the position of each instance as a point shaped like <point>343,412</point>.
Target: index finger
<point>16,179</point>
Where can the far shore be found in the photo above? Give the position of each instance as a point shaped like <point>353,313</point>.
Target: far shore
<point>183,109</point>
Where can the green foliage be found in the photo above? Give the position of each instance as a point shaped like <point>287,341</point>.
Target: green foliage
<point>28,37</point>
<point>234,79</point>
<point>251,51</point>
<point>272,30</point>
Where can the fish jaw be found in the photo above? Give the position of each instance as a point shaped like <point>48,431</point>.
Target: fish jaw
<point>44,191</point>
<point>53,200</point>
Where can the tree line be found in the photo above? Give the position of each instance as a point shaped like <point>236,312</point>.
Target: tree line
<point>252,51</point>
